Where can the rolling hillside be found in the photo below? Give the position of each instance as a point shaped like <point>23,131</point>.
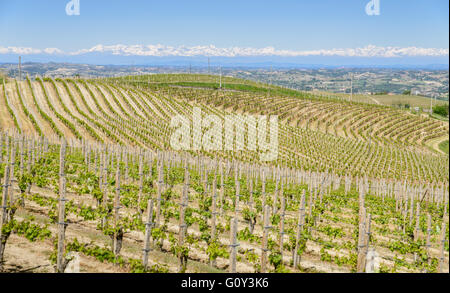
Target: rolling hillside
<point>87,168</point>
<point>316,133</point>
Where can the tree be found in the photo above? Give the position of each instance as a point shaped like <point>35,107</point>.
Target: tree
<point>407,92</point>
<point>441,110</point>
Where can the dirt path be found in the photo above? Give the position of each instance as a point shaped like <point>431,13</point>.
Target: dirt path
<point>6,121</point>
<point>28,101</point>
<point>111,101</point>
<point>52,96</point>
<point>90,102</point>
<point>69,104</point>
<point>376,101</point>
<point>121,95</point>
<point>37,89</point>
<point>25,123</point>
<point>147,101</point>
<point>83,108</point>
<point>434,143</point>
<point>22,254</point>
<point>80,102</point>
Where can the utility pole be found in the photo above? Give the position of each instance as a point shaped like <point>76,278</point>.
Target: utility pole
<point>431,105</point>
<point>270,78</point>
<point>220,84</point>
<point>271,75</point>
<point>190,68</point>
<point>209,66</point>
<point>20,68</point>
<point>351,86</point>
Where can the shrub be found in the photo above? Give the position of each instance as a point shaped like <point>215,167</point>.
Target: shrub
<point>441,110</point>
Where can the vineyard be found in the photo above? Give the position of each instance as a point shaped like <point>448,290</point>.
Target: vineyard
<point>87,173</point>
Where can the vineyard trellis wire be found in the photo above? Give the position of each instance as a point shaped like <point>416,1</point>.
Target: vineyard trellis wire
<point>284,207</point>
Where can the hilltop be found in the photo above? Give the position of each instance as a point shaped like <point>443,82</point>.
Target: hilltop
<point>317,132</point>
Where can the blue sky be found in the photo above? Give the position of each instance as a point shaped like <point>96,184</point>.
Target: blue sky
<point>294,25</point>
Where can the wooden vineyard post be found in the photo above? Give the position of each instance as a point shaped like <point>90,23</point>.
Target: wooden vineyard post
<point>21,148</point>
<point>97,161</point>
<point>36,151</point>
<point>61,263</point>
<point>301,222</point>
<point>104,187</point>
<point>206,189</point>
<point>282,215</point>
<point>125,179</point>
<point>252,220</point>
<point>233,244</point>
<point>214,211</point>
<point>411,209</point>
<point>310,205</point>
<point>182,254</point>
<point>85,153</point>
<point>265,239</point>
<point>89,148</point>
<point>148,233</point>
<point>222,188</point>
<point>428,243</point>
<point>238,195</point>
<point>263,195</point>
<point>158,203</point>
<point>441,248</point>
<point>117,235</point>
<point>99,172</point>
<point>205,181</point>
<point>396,197</point>
<point>34,155</point>
<point>251,200</point>
<point>275,196</point>
<point>417,228</point>
<point>11,171</point>
<point>368,221</point>
<point>279,195</point>
<point>201,171</point>
<point>150,168</point>
<point>1,150</point>
<point>110,159</point>
<point>141,182</point>
<point>405,211</point>
<point>361,241</point>
<point>30,154</point>
<point>214,206</point>
<point>3,216</point>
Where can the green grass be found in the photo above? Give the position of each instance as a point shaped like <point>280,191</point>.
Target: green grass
<point>443,146</point>
<point>231,86</point>
<point>413,101</point>
<point>391,100</point>
<point>212,82</point>
<point>252,88</point>
<point>439,117</point>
